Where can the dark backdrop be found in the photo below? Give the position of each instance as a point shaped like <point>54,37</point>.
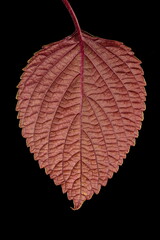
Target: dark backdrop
<point>130,197</point>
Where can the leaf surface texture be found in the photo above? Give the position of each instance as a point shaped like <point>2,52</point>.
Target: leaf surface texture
<point>81,113</point>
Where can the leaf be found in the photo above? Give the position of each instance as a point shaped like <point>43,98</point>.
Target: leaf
<point>80,115</point>
<point>80,104</point>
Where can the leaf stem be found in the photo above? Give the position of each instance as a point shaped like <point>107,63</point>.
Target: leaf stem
<point>74,18</point>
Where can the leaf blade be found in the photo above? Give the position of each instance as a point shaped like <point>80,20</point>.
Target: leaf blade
<point>80,113</point>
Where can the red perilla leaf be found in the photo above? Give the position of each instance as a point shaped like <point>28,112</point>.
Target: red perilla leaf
<point>80,105</point>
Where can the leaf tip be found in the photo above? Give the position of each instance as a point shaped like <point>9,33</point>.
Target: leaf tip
<point>78,204</point>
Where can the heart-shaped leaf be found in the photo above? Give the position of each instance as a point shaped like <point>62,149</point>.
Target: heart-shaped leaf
<point>80,115</point>
<point>80,104</point>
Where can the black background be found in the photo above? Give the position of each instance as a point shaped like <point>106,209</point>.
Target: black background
<point>129,199</point>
